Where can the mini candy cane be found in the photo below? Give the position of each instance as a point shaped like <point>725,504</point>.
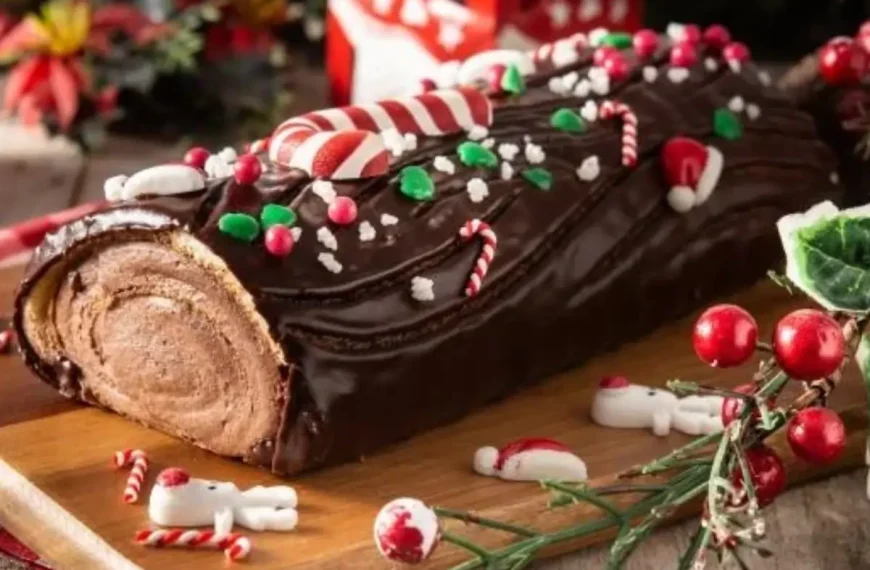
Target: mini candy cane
<point>610,109</point>
<point>258,146</point>
<point>561,52</point>
<point>342,144</point>
<point>490,241</point>
<point>137,474</point>
<point>235,546</point>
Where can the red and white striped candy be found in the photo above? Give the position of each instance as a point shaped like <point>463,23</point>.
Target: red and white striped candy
<point>561,52</point>
<point>235,546</point>
<point>608,110</point>
<point>481,267</point>
<point>342,144</point>
<point>21,238</point>
<point>139,460</point>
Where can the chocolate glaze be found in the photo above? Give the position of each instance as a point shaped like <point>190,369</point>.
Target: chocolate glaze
<point>578,270</point>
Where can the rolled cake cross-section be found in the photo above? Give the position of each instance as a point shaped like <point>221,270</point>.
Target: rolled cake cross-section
<point>476,259</point>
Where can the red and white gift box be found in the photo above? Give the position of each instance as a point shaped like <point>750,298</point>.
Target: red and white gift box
<point>377,49</point>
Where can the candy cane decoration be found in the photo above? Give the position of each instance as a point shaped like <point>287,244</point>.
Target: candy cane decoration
<point>610,109</point>
<point>342,144</point>
<point>481,267</point>
<point>139,460</point>
<point>235,546</point>
<point>559,53</point>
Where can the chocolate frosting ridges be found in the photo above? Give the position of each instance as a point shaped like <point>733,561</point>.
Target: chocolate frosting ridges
<point>578,269</point>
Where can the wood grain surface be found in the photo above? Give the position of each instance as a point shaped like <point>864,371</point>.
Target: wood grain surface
<point>66,503</point>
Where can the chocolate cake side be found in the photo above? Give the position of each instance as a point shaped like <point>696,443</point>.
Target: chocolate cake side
<point>364,334</point>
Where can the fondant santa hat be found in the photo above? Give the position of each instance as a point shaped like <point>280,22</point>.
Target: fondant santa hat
<point>692,171</point>
<point>173,477</point>
<point>530,459</point>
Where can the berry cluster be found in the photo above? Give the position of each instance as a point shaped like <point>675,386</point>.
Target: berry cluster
<point>807,345</point>
<point>845,61</point>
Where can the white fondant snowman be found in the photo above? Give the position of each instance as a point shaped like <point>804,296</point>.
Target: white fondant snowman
<point>162,180</point>
<point>530,459</point>
<point>692,171</point>
<point>620,404</point>
<point>179,500</point>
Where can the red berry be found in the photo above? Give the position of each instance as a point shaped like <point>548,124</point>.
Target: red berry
<point>494,75</point>
<point>247,169</point>
<point>842,62</point>
<point>767,472</point>
<point>808,344</point>
<point>279,241</point>
<point>342,211</point>
<point>864,29</point>
<point>684,55</point>
<point>725,336</point>
<point>717,36</point>
<point>817,435</point>
<point>733,407</point>
<point>646,43</point>
<point>616,66</point>
<point>600,55</point>
<point>427,84</point>
<point>196,157</point>
<point>691,34</point>
<point>737,52</point>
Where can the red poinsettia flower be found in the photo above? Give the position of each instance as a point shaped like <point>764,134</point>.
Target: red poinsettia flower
<point>228,39</point>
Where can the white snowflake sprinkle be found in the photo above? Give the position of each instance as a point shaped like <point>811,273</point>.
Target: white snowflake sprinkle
<point>477,190</point>
<point>570,79</point>
<point>527,138</point>
<point>217,167</point>
<point>389,220</point>
<point>422,289</point>
<point>650,73</point>
<point>534,153</point>
<point>675,31</point>
<point>324,190</point>
<point>296,232</point>
<point>589,111</point>
<point>394,141</point>
<point>329,262</point>
<point>753,111</point>
<point>507,171</point>
<point>228,155</point>
<point>444,164</point>
<point>596,72</point>
<point>582,88</point>
<point>596,35</point>
<point>678,74</point>
<point>589,169</point>
<point>508,151</point>
<point>711,64</point>
<point>557,86</point>
<point>737,104</point>
<point>735,65</point>
<point>564,53</point>
<point>366,231</point>
<point>410,141</point>
<point>835,178</point>
<point>764,78</point>
<point>327,238</point>
<point>488,142</point>
<point>600,85</point>
<point>477,133</point>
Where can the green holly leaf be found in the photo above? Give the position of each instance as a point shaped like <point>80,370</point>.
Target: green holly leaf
<point>727,125</point>
<point>541,178</point>
<point>828,255</point>
<point>239,226</point>
<point>619,40</point>
<point>568,121</point>
<point>416,184</point>
<point>475,154</point>
<point>512,81</point>
<point>277,215</point>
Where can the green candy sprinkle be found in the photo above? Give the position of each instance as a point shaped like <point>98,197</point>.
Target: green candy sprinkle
<point>475,154</point>
<point>727,125</point>
<point>540,177</point>
<point>568,121</point>
<point>277,215</point>
<point>416,183</point>
<point>619,40</point>
<point>240,226</point>
<point>512,80</point>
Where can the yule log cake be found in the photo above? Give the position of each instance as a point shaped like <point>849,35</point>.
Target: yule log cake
<point>396,265</point>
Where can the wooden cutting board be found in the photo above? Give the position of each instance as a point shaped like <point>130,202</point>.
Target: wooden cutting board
<point>59,495</point>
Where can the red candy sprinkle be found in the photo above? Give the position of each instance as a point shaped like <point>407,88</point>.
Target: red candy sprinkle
<point>684,55</point>
<point>247,169</point>
<point>279,241</point>
<point>494,75</point>
<point>342,211</point>
<point>645,42</point>
<point>600,55</point>
<point>196,157</point>
<point>717,36</point>
<point>616,66</point>
<point>736,51</point>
